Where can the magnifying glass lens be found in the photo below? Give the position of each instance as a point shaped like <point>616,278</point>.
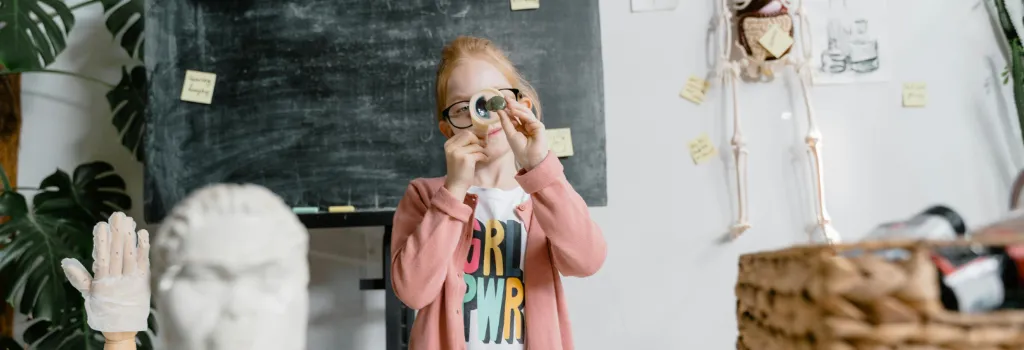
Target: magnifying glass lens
<point>481,109</point>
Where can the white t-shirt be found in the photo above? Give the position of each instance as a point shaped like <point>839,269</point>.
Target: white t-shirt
<point>494,304</point>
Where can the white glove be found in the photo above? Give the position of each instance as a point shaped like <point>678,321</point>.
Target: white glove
<point>117,298</point>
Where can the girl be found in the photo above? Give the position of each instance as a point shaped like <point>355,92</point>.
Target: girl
<point>479,252</point>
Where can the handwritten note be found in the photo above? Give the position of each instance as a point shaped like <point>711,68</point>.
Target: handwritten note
<point>915,94</point>
<point>524,4</point>
<point>702,150</point>
<point>198,87</point>
<point>560,142</point>
<point>776,41</point>
<point>695,89</point>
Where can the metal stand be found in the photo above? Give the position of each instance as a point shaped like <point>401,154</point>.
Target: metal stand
<point>398,318</point>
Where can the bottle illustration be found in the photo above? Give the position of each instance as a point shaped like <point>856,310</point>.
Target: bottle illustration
<point>863,49</point>
<point>834,59</point>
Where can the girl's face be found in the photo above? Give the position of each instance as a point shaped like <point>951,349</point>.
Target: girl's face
<point>469,77</point>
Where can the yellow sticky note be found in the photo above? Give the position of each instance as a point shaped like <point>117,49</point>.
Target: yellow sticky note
<point>524,4</point>
<point>198,87</point>
<point>695,89</point>
<point>701,149</point>
<point>776,41</point>
<point>560,142</point>
<point>915,94</point>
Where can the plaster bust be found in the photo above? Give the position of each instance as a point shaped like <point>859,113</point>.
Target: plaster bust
<point>230,271</point>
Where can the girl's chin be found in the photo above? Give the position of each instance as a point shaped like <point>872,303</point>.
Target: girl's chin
<point>496,151</point>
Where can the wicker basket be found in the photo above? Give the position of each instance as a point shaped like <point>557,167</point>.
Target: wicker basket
<point>811,297</point>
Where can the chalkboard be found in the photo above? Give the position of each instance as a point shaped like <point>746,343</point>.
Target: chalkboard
<point>330,102</point>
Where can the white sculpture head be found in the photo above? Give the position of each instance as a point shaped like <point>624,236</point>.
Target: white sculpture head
<point>230,271</point>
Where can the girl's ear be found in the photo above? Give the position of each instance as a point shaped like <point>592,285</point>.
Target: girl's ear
<point>445,128</point>
<point>527,101</point>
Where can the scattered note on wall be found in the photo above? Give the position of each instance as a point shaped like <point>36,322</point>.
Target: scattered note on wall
<point>850,41</point>
<point>518,5</point>
<point>695,89</point>
<point>560,142</point>
<point>198,87</point>
<point>702,150</point>
<point>915,94</point>
<point>776,41</point>
<point>653,5</point>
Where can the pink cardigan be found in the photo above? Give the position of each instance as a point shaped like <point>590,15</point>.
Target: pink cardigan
<point>432,238</point>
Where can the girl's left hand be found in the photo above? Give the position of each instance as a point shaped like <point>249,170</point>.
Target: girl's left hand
<point>525,134</point>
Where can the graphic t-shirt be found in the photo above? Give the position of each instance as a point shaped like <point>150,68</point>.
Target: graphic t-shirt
<point>494,304</point>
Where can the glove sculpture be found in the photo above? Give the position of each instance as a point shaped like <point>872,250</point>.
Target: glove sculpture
<point>117,293</point>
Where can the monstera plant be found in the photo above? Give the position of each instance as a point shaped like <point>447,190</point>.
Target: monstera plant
<point>34,32</point>
<point>35,239</point>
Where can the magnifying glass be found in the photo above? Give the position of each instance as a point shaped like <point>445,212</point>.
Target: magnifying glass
<point>484,105</point>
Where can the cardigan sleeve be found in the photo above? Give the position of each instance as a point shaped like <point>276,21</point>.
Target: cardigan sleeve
<point>578,247</point>
<point>424,238</point>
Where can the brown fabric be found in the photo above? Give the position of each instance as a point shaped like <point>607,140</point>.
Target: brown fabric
<point>10,134</point>
<point>752,26</point>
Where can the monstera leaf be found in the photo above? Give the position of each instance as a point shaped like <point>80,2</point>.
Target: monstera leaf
<point>33,246</point>
<point>74,333</point>
<point>10,344</point>
<point>59,226</point>
<point>125,20</point>
<point>35,240</point>
<point>33,32</point>
<point>94,192</point>
<point>128,102</point>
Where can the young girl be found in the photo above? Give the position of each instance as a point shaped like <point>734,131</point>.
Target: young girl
<point>480,251</point>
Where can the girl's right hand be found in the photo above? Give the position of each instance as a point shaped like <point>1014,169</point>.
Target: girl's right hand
<point>462,152</point>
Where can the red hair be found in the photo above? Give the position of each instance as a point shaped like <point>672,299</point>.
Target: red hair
<point>464,47</point>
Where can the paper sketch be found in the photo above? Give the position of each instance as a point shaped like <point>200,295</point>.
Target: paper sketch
<point>850,38</point>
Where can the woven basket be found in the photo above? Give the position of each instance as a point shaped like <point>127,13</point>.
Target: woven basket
<point>812,297</point>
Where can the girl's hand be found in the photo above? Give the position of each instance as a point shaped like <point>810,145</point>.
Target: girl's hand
<point>462,152</point>
<point>525,134</point>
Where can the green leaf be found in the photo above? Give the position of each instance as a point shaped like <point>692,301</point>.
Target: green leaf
<point>128,102</point>
<point>73,333</point>
<point>95,191</point>
<point>9,344</point>
<point>35,253</point>
<point>12,204</point>
<point>33,32</point>
<point>126,20</point>
<point>5,180</point>
<point>65,335</point>
<point>35,241</point>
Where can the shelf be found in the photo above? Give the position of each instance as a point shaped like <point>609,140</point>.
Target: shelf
<point>353,219</point>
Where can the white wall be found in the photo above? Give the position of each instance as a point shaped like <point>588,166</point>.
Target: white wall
<point>883,162</point>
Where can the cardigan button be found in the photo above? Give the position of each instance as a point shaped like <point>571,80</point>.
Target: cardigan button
<point>521,207</point>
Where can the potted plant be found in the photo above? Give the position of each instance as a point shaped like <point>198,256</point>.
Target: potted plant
<point>35,239</point>
<point>51,22</point>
